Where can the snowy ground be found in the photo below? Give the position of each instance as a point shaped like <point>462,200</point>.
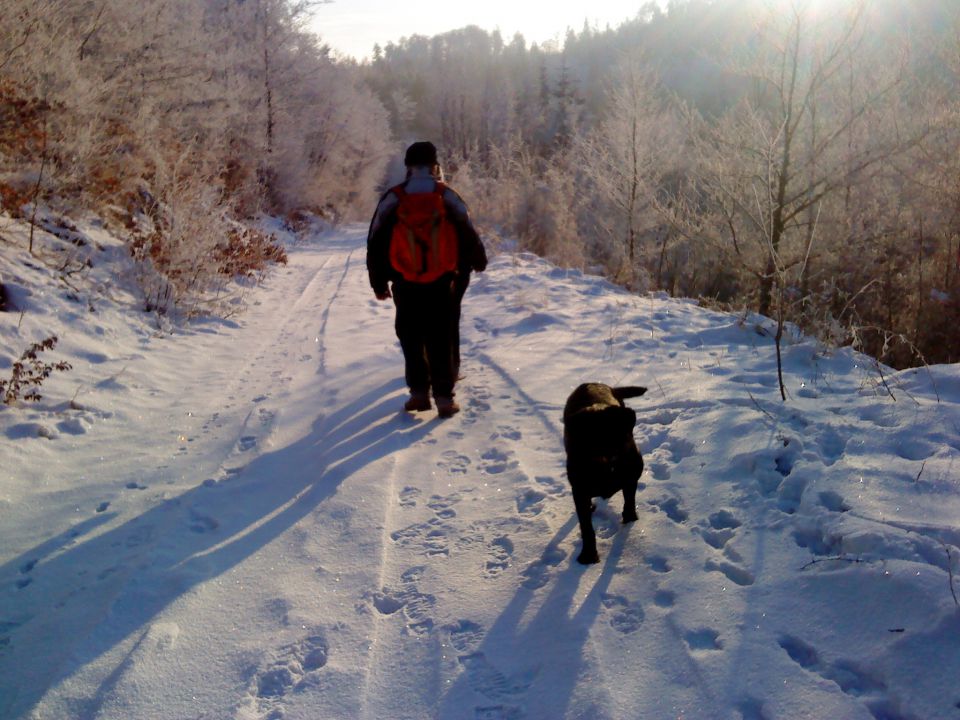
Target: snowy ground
<point>235,521</point>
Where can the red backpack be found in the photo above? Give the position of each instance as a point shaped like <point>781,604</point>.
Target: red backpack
<point>423,246</point>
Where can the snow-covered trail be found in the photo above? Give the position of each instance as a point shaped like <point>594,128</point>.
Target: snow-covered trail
<point>300,506</point>
<point>226,497</point>
<point>251,529</point>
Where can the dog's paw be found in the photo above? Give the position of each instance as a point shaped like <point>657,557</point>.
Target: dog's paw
<point>629,516</point>
<point>588,557</point>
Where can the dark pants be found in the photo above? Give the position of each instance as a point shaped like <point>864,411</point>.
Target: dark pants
<point>426,335</point>
<point>459,290</point>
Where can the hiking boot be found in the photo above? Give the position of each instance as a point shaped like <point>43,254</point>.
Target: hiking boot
<point>418,402</point>
<point>446,407</point>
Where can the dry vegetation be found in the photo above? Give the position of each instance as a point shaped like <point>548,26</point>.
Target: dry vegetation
<point>795,158</point>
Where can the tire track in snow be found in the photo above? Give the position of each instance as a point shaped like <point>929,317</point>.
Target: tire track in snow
<point>325,316</point>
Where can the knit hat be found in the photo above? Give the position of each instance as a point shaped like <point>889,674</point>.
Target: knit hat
<point>421,154</point>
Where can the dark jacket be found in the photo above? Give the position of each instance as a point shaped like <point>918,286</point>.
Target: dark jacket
<point>470,252</point>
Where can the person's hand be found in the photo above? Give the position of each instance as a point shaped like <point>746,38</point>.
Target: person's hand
<point>383,294</point>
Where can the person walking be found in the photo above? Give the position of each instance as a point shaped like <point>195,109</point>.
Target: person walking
<point>421,248</point>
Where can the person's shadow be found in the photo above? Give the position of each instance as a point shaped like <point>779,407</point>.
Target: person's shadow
<point>72,598</point>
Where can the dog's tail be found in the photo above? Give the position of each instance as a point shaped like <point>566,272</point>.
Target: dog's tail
<point>622,393</point>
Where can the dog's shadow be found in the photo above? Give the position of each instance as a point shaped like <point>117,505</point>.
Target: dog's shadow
<point>551,642</point>
<point>124,577</point>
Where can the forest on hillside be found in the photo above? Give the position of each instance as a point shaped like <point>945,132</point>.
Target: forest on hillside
<point>799,158</point>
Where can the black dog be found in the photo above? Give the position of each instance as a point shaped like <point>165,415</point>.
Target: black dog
<point>602,456</point>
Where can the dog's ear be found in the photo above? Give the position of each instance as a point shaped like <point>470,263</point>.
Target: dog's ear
<point>631,391</point>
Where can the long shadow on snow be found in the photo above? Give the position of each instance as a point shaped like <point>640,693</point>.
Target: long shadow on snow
<point>110,586</point>
<point>550,645</point>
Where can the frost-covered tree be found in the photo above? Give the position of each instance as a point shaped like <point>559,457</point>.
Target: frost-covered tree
<point>624,160</point>
<point>817,120</point>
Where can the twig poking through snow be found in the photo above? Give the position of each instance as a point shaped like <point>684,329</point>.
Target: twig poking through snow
<point>760,407</point>
<point>950,572</point>
<point>876,364</point>
<point>841,558</point>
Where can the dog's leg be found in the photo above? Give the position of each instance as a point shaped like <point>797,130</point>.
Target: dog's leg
<point>632,469</point>
<point>588,554</point>
<point>630,500</point>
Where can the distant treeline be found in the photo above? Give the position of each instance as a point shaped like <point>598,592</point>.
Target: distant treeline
<point>797,158</point>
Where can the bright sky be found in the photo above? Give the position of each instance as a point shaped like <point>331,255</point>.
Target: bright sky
<point>353,27</point>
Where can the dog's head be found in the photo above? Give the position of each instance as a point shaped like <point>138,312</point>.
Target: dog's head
<point>599,430</point>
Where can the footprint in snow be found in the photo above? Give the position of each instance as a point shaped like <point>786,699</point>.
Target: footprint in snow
<point>658,469</point>
<point>443,506</point>
<point>487,680</point>
<point>704,640</point>
<point>832,445</point>
<point>734,573</point>
<point>724,520</point>
<point>530,502</point>
<point>416,607</point>
<point>498,712</point>
<point>752,709</point>
<point>717,538</point>
<point>454,463</point>
<point>658,564</point>
<point>833,501</point>
<point>916,449</point>
<point>817,540</point>
<point>721,529</point>
<point>413,574</point>
<point>495,461</point>
<point>538,573</point>
<point>679,449</point>
<point>465,636</point>
<point>200,523</point>
<point>607,522</point>
<point>664,598</point>
<point>626,616</point>
<point>408,496</point>
<point>848,676</point>
<point>507,433</point>
<point>551,485</point>
<point>7,627</point>
<point>477,404</point>
<point>671,507</point>
<point>295,668</point>
<point>790,494</point>
<point>498,556</point>
<point>880,415</point>
<point>432,536</point>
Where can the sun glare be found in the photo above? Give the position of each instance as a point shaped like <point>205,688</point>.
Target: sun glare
<point>353,28</point>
